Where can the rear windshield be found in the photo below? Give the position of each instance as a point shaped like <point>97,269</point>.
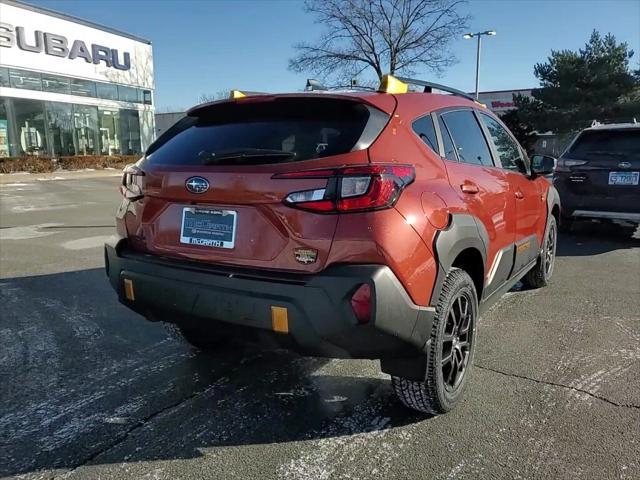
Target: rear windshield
<point>273,131</point>
<point>606,144</point>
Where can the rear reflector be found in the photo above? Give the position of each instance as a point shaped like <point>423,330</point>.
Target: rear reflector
<point>361,303</point>
<point>128,289</point>
<point>351,189</point>
<point>279,320</point>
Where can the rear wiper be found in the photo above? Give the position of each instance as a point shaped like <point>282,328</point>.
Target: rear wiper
<point>215,157</point>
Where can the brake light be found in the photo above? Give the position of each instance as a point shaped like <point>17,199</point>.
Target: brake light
<point>351,189</point>
<point>131,187</point>
<point>361,303</point>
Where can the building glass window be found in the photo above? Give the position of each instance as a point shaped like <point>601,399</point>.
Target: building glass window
<point>4,77</point>
<point>109,125</point>
<point>55,84</point>
<point>24,79</point>
<point>127,94</point>
<point>60,129</point>
<point>85,129</point>
<point>4,129</point>
<point>83,88</point>
<point>108,91</point>
<point>30,126</point>
<point>146,97</point>
<point>130,132</point>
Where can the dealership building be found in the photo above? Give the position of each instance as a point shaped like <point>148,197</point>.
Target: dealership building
<point>71,87</point>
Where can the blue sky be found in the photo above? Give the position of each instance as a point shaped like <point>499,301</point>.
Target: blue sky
<point>209,46</point>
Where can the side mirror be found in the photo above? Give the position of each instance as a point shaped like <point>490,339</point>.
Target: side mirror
<point>543,164</point>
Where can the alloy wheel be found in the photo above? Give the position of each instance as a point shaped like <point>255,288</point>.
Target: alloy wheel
<point>550,251</point>
<point>457,340</point>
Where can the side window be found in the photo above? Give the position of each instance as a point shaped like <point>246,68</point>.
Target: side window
<point>425,130</point>
<point>449,149</point>
<point>508,150</point>
<point>468,137</point>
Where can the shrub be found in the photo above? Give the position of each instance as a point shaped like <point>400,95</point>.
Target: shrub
<point>48,164</point>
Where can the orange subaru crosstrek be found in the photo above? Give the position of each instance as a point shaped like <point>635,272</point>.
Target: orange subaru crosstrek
<point>345,224</point>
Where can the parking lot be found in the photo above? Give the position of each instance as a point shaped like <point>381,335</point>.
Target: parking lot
<point>89,390</point>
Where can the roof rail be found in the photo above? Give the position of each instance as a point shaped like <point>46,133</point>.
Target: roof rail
<point>429,86</point>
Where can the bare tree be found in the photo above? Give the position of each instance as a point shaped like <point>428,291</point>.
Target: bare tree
<point>386,36</point>
<point>207,97</point>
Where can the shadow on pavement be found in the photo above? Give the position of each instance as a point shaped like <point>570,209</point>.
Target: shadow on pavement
<point>593,238</point>
<point>83,378</point>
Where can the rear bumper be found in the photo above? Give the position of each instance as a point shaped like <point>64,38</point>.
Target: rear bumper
<point>239,303</point>
<point>590,202</point>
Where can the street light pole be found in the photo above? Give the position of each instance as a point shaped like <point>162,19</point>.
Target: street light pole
<point>478,65</point>
<point>478,35</point>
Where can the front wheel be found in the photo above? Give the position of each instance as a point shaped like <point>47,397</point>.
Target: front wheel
<point>540,275</point>
<point>452,349</point>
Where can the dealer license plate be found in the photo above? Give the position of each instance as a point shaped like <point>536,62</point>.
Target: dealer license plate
<point>208,227</point>
<point>624,178</point>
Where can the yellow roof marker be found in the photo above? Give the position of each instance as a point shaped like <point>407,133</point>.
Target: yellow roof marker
<point>236,94</point>
<point>391,84</point>
<point>279,319</point>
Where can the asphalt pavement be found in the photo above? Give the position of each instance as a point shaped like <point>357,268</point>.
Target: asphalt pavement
<point>90,390</point>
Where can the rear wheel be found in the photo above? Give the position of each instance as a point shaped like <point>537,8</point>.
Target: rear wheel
<point>452,349</point>
<point>197,337</point>
<point>540,275</point>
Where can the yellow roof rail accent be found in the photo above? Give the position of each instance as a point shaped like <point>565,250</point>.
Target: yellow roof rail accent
<point>236,94</point>
<point>391,84</point>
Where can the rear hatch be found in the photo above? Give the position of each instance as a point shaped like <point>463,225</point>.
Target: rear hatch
<point>209,192</point>
<point>602,166</point>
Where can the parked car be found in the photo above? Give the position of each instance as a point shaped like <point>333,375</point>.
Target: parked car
<point>598,175</point>
<point>351,224</point>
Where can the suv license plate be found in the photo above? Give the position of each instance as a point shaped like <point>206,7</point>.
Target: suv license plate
<point>624,178</point>
<point>209,228</point>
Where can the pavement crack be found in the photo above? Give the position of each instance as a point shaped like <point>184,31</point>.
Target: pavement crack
<point>559,385</point>
<point>146,420</point>
<point>138,425</point>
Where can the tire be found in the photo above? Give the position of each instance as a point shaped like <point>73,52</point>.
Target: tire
<point>540,275</point>
<point>197,337</point>
<point>442,388</point>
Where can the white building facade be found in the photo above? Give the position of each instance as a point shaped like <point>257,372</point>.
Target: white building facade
<point>71,87</point>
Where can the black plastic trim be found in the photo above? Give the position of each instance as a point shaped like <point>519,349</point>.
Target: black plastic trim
<point>321,319</point>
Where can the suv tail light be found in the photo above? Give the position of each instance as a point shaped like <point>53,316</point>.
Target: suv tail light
<point>361,303</point>
<point>565,164</point>
<point>131,187</point>
<point>351,189</point>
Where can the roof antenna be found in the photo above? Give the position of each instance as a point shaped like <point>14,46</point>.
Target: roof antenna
<point>313,84</point>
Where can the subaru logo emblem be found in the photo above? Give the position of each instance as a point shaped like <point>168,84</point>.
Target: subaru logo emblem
<point>197,184</point>
<point>624,165</point>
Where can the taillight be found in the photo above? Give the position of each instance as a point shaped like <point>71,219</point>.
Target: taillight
<point>565,164</point>
<point>131,187</point>
<point>361,303</point>
<point>351,189</point>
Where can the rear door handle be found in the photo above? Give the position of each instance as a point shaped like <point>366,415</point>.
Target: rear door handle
<point>468,187</point>
<point>519,195</point>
